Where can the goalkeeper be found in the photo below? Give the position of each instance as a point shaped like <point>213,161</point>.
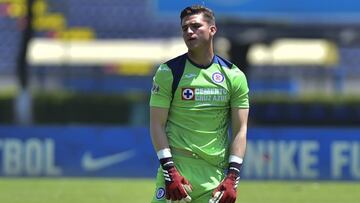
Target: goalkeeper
<point>195,99</point>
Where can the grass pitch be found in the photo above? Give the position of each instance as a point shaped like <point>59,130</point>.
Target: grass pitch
<point>96,190</point>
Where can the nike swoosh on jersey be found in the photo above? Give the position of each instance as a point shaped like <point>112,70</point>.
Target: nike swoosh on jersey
<point>89,163</point>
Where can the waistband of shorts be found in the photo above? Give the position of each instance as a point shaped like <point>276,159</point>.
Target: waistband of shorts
<point>178,152</point>
<point>184,152</point>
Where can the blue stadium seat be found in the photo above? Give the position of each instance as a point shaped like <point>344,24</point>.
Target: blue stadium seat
<point>123,19</point>
<point>9,42</point>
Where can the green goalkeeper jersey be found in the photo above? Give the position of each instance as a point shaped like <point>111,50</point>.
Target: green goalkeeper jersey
<point>199,110</point>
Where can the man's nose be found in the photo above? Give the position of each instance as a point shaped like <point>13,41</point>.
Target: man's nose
<point>189,30</point>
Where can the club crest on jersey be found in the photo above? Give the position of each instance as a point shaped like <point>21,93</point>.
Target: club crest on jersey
<point>217,77</point>
<point>187,93</point>
<point>160,193</point>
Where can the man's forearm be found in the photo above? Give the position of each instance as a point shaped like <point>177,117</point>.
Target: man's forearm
<point>158,119</point>
<point>159,138</point>
<point>238,145</point>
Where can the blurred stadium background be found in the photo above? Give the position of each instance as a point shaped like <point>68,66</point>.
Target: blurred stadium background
<point>75,77</point>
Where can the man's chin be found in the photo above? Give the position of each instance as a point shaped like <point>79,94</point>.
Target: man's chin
<point>192,46</point>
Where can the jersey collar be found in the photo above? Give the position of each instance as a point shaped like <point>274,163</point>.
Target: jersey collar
<point>201,66</point>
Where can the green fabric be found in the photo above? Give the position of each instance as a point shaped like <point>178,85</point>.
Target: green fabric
<point>203,177</point>
<point>198,119</point>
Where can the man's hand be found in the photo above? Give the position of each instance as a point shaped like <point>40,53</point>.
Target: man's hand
<point>184,200</point>
<point>176,186</point>
<point>226,191</point>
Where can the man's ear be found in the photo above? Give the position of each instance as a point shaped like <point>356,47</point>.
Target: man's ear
<point>213,30</point>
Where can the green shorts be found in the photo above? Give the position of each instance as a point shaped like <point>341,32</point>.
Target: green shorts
<point>203,177</point>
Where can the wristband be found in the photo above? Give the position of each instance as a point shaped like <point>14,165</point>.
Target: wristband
<point>236,159</point>
<point>164,153</point>
<point>165,158</point>
<point>235,164</point>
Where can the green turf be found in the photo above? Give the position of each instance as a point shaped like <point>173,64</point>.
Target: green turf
<point>19,190</point>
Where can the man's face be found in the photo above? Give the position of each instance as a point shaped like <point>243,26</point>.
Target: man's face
<point>196,31</point>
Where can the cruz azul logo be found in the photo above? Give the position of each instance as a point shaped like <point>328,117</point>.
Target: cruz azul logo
<point>217,77</point>
<point>188,93</point>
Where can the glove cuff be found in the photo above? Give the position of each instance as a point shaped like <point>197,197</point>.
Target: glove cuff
<point>235,164</point>
<point>167,163</point>
<point>234,168</point>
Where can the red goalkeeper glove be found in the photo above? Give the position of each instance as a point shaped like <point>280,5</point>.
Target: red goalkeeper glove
<point>226,191</point>
<point>176,186</point>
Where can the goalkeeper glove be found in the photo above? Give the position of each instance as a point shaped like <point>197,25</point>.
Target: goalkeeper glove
<point>226,191</point>
<point>188,189</point>
<point>176,186</point>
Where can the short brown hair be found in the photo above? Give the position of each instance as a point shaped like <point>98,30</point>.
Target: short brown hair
<point>197,9</point>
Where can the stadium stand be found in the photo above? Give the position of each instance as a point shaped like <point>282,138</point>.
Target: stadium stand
<point>136,19</point>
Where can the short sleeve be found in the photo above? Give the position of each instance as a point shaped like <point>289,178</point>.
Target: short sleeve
<point>239,89</point>
<point>161,94</point>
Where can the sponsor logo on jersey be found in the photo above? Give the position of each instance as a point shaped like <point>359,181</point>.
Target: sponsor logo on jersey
<point>211,94</point>
<point>217,77</point>
<point>187,93</point>
<point>204,94</point>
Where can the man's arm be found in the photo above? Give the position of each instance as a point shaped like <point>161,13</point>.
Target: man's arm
<point>226,191</point>
<point>158,118</point>
<point>239,121</point>
<point>177,187</point>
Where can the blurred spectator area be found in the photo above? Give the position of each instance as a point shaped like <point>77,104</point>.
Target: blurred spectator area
<point>68,22</point>
<point>89,20</point>
<point>82,20</point>
<point>295,80</point>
